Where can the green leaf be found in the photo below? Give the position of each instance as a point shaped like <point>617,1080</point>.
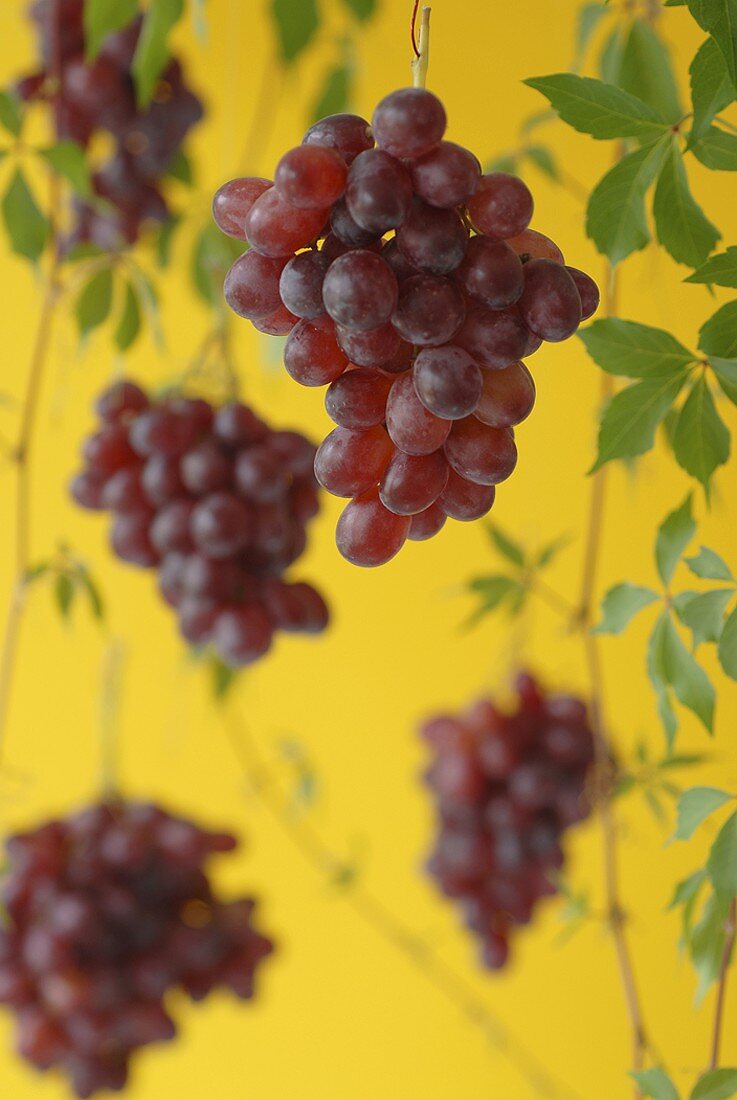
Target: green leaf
<point>674,535</point>
<point>687,894</point>
<point>26,226</point>
<point>707,943</point>
<point>69,160</point>
<point>494,591</point>
<point>719,19</point>
<point>717,1084</point>
<point>620,605</point>
<point>645,70</point>
<point>701,441</point>
<point>551,551</point>
<point>64,595</point>
<point>703,614</point>
<point>362,9</point>
<point>634,350</point>
<point>166,239</point>
<point>610,59</point>
<point>690,683</point>
<point>129,325</point>
<point>223,679</point>
<point>543,159</point>
<point>726,375</point>
<point>728,646</point>
<point>94,302</point>
<point>504,163</point>
<point>152,52</point>
<point>506,546</point>
<point>711,88</point>
<point>94,596</point>
<point>656,672</point>
<point>722,861</point>
<point>334,95</point>
<point>615,219</point>
<point>695,806</point>
<point>708,565</point>
<point>103,17</point>
<point>631,418</point>
<point>180,168</point>
<point>599,109</point>
<point>717,150</point>
<point>587,21</point>
<point>11,118</point>
<point>656,1083</point>
<point>719,335</point>
<point>719,270</point>
<point>682,227</point>
<point>296,22</point>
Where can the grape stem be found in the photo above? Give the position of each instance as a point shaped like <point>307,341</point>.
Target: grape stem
<point>729,942</point>
<point>422,60</point>
<point>372,910</point>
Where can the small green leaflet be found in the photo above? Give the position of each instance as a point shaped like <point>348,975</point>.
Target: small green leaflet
<point>656,672</point>
<point>296,22</point>
<point>717,150</point>
<point>10,113</point>
<point>26,226</point>
<point>645,71</point>
<point>588,20</point>
<point>728,646</point>
<point>544,160</point>
<point>611,55</point>
<point>722,862</point>
<point>701,441</point>
<point>681,225</point>
<point>719,335</point>
<point>615,218</point>
<point>718,1084</point>
<point>689,681</point>
<point>103,17</point>
<point>695,806</point>
<point>600,109</point>
<point>726,375</point>
<point>506,546</point>
<point>708,565</point>
<point>362,9</point>
<point>152,52</point>
<point>655,1083</point>
<point>634,350</point>
<point>222,679</point>
<point>687,894</point>
<point>69,160</point>
<point>620,605</point>
<point>674,535</point>
<point>707,943</point>
<point>129,325</point>
<point>703,613</point>
<point>719,19</point>
<point>94,302</point>
<point>334,95</point>
<point>64,595</point>
<point>493,592</point>
<point>631,418</point>
<point>711,88</point>
<point>719,270</point>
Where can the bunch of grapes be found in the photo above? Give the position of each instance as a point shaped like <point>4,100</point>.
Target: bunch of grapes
<point>218,503</point>
<point>107,912</point>
<point>409,284</point>
<point>507,785</point>
<point>100,95</point>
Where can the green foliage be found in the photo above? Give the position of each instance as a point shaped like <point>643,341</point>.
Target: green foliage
<point>69,577</point>
<point>727,650</point>
<point>703,613</point>
<point>645,71</point>
<point>695,806</point>
<point>361,9</point>
<point>725,372</point>
<point>94,302</point>
<point>152,52</point>
<point>621,604</point>
<point>11,117</point>
<point>616,219</point>
<point>629,422</point>
<point>599,109</point>
<point>719,19</point>
<point>129,325</point>
<point>674,535</point>
<point>222,678</point>
<point>656,1083</point>
<point>701,440</point>
<point>26,226</point>
<point>69,160</point>
<point>718,1084</point>
<point>681,225</point>
<point>634,350</point>
<point>103,17</point>
<point>717,150</point>
<point>722,862</point>
<point>711,88</point>
<point>335,94</point>
<point>296,22</point>
<point>510,591</point>
<point>719,335</point>
<point>719,270</point>
<point>708,565</point>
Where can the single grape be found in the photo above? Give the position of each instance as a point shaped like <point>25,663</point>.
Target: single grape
<point>277,229</point>
<point>411,427</point>
<point>88,488</point>
<point>349,135</point>
<point>368,534</point>
<point>369,349</point>
<point>411,483</point>
<point>124,492</point>
<point>279,323</point>
<point>170,529</point>
<point>233,202</point>
<point>409,122</point>
<point>507,398</point>
<point>550,303</point>
<point>210,578</point>
<point>252,285</point>
<point>220,525</point>
<point>465,500</point>
<point>349,462</point>
<point>300,285</point>
<point>120,402</point>
<point>588,292</point>
<point>163,430</point>
<point>358,399</point>
<point>162,479</point>
<point>430,310</point>
<point>238,426</point>
<point>425,525</point>
<point>311,176</point>
<point>447,176</point>
<point>261,475</point>
<point>129,538</point>
<point>242,634</point>
<point>432,239</point>
<point>378,193</point>
<point>360,291</point>
<point>109,449</point>
<point>447,381</point>
<point>311,355</point>
<point>493,338</point>
<point>347,231</point>
<point>479,453</point>
<point>206,468</point>
<point>197,617</point>
<point>531,245</point>
<point>501,206</point>
<point>491,272</point>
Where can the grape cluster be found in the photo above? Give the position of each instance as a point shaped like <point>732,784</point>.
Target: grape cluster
<point>507,785</point>
<point>409,284</point>
<point>218,503</point>
<point>107,912</point>
<point>100,95</point>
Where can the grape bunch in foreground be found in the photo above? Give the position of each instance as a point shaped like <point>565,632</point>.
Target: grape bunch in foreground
<point>410,285</point>
<point>98,96</point>
<point>218,503</point>
<point>108,912</point>
<point>507,785</point>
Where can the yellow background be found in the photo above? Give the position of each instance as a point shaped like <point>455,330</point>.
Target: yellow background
<point>340,1013</point>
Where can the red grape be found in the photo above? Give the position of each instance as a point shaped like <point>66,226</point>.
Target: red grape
<point>312,356</point>
<point>411,426</point>
<point>432,239</point>
<point>491,272</point>
<point>379,192</point>
<point>447,381</point>
<point>425,525</point>
<point>368,534</point>
<point>479,453</point>
<point>358,399</point>
<point>507,398</point>
<point>494,338</point>
<point>430,310</point>
<point>588,292</point>
<point>233,202</point>
<point>349,135</point>
<point>374,348</point>
<point>411,483</point>
<point>531,245</point>
<point>447,176</point>
<point>252,285</point>
<point>465,500</point>
<point>311,176</point>
<point>501,206</point>
<point>276,228</point>
<point>550,303</point>
<point>349,462</point>
<point>360,291</point>
<point>300,285</point>
<point>409,122</point>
